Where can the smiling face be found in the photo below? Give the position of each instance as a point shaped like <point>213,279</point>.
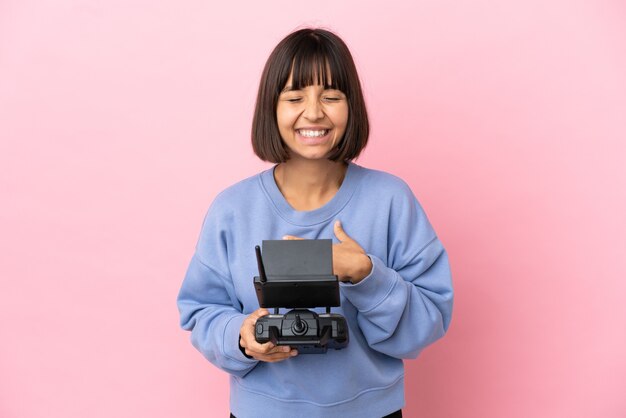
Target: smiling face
<point>309,100</point>
<point>311,120</point>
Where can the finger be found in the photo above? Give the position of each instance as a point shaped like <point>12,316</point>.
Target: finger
<point>266,348</point>
<point>292,237</point>
<point>272,358</point>
<point>340,233</point>
<point>250,344</point>
<point>280,349</point>
<point>275,351</point>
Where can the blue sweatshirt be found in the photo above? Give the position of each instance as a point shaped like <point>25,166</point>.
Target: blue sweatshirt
<point>403,305</point>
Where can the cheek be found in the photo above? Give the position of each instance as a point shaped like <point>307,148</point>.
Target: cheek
<point>285,125</point>
<point>341,116</point>
<point>285,117</point>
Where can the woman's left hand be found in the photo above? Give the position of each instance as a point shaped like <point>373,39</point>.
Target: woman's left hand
<point>350,262</point>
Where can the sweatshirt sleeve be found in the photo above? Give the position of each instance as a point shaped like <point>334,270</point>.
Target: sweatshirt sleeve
<point>207,303</point>
<point>405,304</point>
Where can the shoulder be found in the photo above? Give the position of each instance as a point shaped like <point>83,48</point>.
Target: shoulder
<point>235,191</point>
<point>237,195</point>
<point>383,183</point>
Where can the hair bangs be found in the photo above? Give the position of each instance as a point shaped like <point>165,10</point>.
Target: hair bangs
<point>314,65</point>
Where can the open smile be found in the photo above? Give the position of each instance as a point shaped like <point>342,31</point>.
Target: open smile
<point>309,133</point>
<point>313,137</point>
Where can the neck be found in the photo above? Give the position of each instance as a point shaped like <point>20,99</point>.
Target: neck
<point>309,184</point>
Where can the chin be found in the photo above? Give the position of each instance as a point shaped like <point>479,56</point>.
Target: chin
<point>311,155</point>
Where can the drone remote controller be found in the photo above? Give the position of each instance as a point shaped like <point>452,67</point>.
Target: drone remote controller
<point>307,331</point>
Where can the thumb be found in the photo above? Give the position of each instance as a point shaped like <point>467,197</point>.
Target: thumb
<point>340,233</point>
<point>259,313</point>
<point>292,238</point>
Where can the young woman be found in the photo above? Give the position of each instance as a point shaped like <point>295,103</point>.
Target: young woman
<point>396,292</point>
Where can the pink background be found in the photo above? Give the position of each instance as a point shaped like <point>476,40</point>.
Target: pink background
<point>121,120</point>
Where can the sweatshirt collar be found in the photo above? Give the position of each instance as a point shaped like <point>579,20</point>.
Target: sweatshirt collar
<point>310,217</point>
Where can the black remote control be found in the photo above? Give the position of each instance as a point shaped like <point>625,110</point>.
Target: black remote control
<point>299,276</point>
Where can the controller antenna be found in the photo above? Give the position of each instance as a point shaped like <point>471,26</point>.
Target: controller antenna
<point>259,261</point>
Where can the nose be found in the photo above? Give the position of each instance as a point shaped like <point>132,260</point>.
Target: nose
<point>313,110</point>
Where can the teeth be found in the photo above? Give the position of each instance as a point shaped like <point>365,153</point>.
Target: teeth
<point>313,134</point>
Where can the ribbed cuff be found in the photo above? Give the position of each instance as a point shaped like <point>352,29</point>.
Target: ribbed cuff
<point>243,350</point>
<point>231,346</point>
<point>373,289</point>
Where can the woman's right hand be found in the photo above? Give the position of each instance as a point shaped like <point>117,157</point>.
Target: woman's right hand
<point>262,352</point>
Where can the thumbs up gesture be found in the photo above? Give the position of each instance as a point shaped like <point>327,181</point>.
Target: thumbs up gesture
<point>350,262</point>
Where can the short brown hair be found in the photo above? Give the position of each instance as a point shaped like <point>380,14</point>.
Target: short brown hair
<point>315,56</point>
